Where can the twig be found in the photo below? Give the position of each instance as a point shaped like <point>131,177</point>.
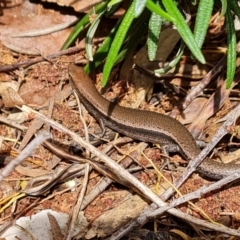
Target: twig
<point>21,50</point>
<point>43,136</point>
<point>45,31</point>
<point>195,91</point>
<point>38,59</point>
<point>12,123</point>
<point>77,207</point>
<point>193,195</point>
<point>144,216</point>
<point>127,177</point>
<point>222,131</point>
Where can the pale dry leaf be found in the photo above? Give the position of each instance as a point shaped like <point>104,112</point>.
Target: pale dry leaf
<point>56,230</point>
<point>30,172</point>
<point>192,111</point>
<point>11,98</point>
<point>111,220</point>
<point>8,91</point>
<point>79,5</point>
<point>168,39</point>
<point>36,226</point>
<point>29,17</point>
<point>18,117</point>
<point>214,103</point>
<point>144,85</point>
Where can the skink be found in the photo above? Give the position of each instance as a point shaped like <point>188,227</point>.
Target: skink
<point>142,125</point>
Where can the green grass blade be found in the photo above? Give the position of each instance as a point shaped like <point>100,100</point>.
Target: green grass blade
<point>139,7</point>
<point>90,34</point>
<point>135,34</point>
<point>82,24</point>
<point>158,10</point>
<point>232,44</point>
<point>184,30</point>
<point>233,4</point>
<point>224,7</point>
<point>202,21</point>
<point>117,42</point>
<point>154,29</point>
<point>102,51</point>
<point>173,63</point>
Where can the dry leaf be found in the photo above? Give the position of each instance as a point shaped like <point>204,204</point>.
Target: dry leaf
<point>36,226</point>
<point>30,17</point>
<point>193,110</point>
<point>79,6</point>
<point>214,103</point>
<point>111,220</point>
<point>11,98</point>
<point>56,230</point>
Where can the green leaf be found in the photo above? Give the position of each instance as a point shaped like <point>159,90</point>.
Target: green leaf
<point>135,34</point>
<point>102,51</point>
<point>158,10</point>
<point>117,42</point>
<point>184,30</point>
<point>232,44</point>
<point>82,24</point>
<point>139,7</point>
<point>202,21</point>
<point>173,63</point>
<point>233,4</point>
<point>155,24</point>
<point>224,7</point>
<point>89,37</point>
